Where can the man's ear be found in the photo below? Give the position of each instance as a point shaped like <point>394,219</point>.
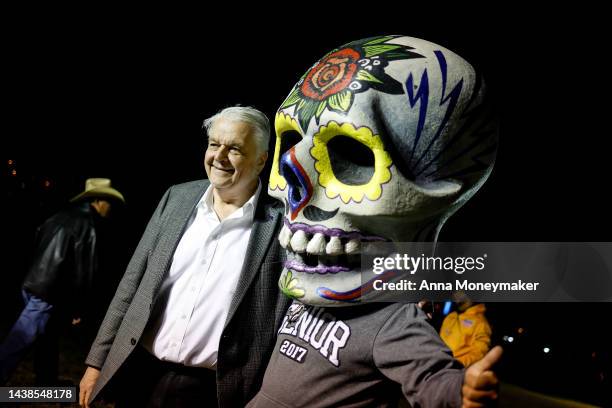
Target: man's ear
<point>262,160</point>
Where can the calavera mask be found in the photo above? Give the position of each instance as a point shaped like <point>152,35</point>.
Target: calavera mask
<point>382,139</point>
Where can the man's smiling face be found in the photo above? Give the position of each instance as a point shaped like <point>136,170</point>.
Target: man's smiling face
<point>232,160</point>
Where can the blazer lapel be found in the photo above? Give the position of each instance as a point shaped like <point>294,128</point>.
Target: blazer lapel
<point>262,234</point>
<point>177,222</point>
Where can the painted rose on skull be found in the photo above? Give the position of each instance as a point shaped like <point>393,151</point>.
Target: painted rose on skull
<point>331,75</point>
<point>337,77</point>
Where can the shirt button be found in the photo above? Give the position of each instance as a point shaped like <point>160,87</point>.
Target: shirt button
<point>133,341</point>
<point>183,316</point>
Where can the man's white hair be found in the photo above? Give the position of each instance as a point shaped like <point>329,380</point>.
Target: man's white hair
<point>258,121</point>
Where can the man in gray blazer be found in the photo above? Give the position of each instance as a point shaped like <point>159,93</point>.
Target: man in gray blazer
<point>190,323</point>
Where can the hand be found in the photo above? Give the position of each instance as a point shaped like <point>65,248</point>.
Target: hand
<point>480,384</point>
<point>76,321</point>
<point>89,380</point>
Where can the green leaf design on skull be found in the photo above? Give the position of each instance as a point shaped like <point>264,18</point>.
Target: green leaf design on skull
<point>288,285</point>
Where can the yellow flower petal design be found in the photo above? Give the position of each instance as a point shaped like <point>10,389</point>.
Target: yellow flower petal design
<point>282,123</point>
<point>372,190</point>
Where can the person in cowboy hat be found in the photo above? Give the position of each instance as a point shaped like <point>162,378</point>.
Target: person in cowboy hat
<point>60,280</point>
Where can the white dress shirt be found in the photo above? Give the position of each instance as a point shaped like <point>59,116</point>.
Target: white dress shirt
<point>194,298</point>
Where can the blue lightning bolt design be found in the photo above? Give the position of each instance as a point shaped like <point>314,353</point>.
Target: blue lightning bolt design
<point>451,99</point>
<point>422,95</point>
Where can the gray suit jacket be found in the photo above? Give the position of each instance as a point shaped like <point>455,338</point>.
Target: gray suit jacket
<point>256,310</point>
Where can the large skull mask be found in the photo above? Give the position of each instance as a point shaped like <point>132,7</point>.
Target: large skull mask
<point>382,139</point>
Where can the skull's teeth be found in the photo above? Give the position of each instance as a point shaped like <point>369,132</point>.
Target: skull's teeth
<point>320,250</point>
<point>353,247</point>
<point>299,241</point>
<point>285,236</point>
<point>334,247</point>
<point>316,246</point>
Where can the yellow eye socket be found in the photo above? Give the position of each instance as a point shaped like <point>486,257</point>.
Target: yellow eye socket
<point>351,162</point>
<point>287,135</point>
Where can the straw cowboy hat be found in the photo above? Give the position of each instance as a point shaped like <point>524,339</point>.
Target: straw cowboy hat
<point>99,187</point>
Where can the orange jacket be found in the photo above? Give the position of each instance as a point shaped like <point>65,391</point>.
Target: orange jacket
<point>468,334</point>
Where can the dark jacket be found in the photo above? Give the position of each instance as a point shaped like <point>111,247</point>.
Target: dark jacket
<point>64,261</point>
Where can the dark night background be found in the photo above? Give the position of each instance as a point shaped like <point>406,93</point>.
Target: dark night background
<point>123,95</point>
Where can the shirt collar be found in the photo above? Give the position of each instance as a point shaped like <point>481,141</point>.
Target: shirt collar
<point>247,209</point>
